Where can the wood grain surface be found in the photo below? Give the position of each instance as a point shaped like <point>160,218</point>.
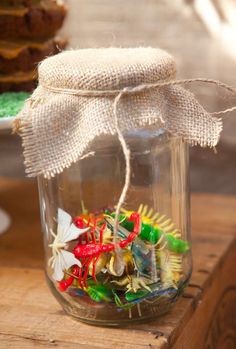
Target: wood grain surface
<point>204,318</point>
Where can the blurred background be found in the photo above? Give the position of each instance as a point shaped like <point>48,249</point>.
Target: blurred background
<point>201,34</point>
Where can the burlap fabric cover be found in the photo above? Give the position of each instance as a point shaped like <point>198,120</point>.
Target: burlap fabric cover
<point>67,111</point>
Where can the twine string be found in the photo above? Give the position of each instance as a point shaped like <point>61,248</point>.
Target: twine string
<point>135,89</point>
<point>118,93</point>
<point>224,111</point>
<point>126,152</point>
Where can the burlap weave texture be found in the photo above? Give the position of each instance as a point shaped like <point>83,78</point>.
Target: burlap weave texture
<point>57,123</point>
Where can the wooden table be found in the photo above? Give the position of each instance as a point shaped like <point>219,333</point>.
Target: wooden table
<point>204,318</point>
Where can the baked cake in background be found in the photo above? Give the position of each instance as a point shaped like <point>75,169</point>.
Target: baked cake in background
<point>27,35</point>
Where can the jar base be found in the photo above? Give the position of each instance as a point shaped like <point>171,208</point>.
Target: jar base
<point>122,323</point>
<point>108,315</point>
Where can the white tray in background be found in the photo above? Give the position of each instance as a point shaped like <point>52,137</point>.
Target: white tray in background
<point>6,122</point>
<point>5,221</point>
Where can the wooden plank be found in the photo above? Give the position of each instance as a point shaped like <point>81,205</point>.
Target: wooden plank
<point>213,213</point>
<point>213,325</point>
<point>30,316</point>
<point>20,200</point>
<point>37,316</point>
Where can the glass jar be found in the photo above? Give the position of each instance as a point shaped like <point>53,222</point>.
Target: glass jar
<point>140,274</point>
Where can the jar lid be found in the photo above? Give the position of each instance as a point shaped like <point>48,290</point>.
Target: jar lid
<point>106,69</point>
<point>91,93</point>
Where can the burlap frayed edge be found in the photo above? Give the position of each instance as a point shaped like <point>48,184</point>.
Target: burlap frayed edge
<point>30,152</point>
<point>25,129</point>
<point>203,143</point>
